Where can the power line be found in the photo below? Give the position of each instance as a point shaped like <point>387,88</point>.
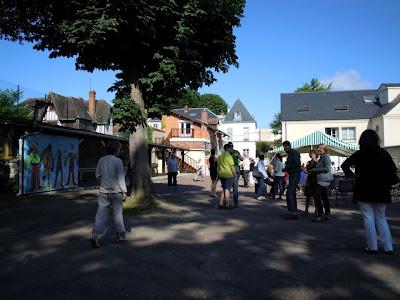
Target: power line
<point>25,90</point>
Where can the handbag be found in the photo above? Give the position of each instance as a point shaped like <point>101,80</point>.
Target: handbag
<point>256,173</point>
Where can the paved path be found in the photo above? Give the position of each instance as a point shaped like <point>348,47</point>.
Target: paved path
<point>188,249</point>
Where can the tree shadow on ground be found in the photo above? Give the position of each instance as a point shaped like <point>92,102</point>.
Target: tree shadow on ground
<point>245,253</point>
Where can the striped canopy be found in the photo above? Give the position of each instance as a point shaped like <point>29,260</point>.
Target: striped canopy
<point>335,146</point>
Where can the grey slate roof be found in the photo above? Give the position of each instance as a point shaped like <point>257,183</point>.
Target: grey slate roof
<point>195,113</point>
<point>390,85</point>
<point>245,116</point>
<point>383,110</point>
<point>322,105</point>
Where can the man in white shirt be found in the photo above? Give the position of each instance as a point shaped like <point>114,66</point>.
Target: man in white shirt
<point>110,171</point>
<point>246,170</point>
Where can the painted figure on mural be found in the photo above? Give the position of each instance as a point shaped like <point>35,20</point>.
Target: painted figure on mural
<point>71,158</point>
<point>59,166</point>
<point>33,160</point>
<point>48,164</point>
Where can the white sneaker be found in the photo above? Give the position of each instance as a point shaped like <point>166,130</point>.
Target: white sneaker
<point>261,198</point>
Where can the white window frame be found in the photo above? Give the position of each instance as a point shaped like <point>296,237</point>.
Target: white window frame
<point>246,135</point>
<point>229,131</point>
<point>183,130</point>
<point>237,115</point>
<point>335,128</point>
<point>345,137</point>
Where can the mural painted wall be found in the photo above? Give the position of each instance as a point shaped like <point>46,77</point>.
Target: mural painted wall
<point>50,163</point>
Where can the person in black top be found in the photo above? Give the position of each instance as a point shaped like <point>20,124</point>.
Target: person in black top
<point>293,168</point>
<point>213,165</point>
<point>373,192</point>
<point>311,180</point>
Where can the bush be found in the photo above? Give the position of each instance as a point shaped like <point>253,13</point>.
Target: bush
<point>263,147</point>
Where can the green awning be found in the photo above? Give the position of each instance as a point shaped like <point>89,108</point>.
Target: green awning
<point>335,146</point>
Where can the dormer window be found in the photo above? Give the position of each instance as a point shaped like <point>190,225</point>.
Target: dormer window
<point>341,108</point>
<point>303,108</point>
<point>237,116</point>
<point>369,99</point>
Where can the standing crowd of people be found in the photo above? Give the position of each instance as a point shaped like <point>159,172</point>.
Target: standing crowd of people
<point>370,192</point>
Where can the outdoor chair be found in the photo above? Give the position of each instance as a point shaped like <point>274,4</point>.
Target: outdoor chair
<point>344,190</point>
<point>333,186</point>
<point>396,192</point>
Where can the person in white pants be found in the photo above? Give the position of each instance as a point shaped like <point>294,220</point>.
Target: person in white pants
<point>373,192</point>
<point>113,192</point>
<point>374,217</point>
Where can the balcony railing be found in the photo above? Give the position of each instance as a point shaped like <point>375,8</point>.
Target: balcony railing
<point>182,133</point>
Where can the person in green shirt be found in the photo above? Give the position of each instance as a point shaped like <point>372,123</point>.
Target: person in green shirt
<point>236,157</point>
<point>226,173</point>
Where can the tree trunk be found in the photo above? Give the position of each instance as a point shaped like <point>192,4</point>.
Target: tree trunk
<point>138,157</point>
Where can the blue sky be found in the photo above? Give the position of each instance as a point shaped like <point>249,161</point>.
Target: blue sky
<point>281,45</point>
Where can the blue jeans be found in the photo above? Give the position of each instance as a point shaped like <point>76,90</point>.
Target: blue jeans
<point>278,185</point>
<point>260,186</point>
<point>106,201</point>
<point>374,217</point>
<point>291,192</point>
<point>236,190</point>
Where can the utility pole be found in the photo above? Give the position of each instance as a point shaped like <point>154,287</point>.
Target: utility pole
<point>17,99</point>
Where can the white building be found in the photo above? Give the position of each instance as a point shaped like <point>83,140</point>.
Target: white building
<point>155,123</point>
<point>266,135</point>
<point>345,115</point>
<point>241,128</point>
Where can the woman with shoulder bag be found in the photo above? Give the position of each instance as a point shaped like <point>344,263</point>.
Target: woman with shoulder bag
<point>373,192</point>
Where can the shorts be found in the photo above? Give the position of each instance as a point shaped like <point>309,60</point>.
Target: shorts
<point>227,183</point>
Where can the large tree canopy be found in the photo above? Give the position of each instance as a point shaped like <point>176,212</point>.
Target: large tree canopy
<point>162,46</point>
<point>159,48</point>
<point>314,86</point>
<point>276,124</point>
<point>213,102</point>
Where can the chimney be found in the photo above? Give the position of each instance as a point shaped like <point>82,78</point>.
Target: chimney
<point>92,102</point>
<point>204,115</point>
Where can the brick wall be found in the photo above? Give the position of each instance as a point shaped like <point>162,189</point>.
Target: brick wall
<point>172,122</point>
<point>189,144</point>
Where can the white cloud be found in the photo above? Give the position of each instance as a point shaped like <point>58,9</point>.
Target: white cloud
<point>348,80</point>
